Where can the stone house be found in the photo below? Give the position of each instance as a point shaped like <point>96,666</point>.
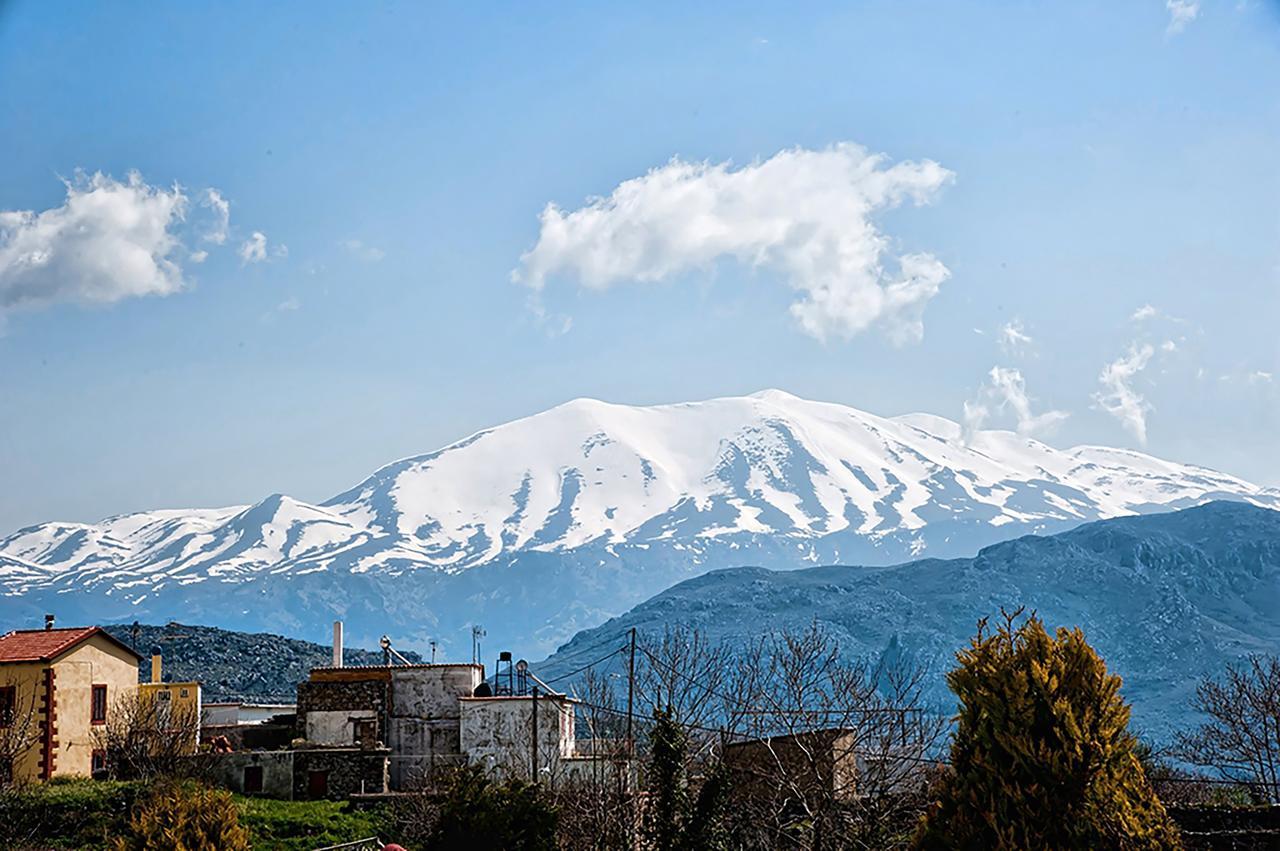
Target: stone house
<point>414,710</point>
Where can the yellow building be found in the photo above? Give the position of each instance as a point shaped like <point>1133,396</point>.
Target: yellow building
<point>56,687</point>
<point>174,706</point>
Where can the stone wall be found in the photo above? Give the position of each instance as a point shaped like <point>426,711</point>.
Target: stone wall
<point>331,699</point>
<point>227,770</point>
<point>346,771</point>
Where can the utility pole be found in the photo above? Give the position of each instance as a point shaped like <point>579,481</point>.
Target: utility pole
<point>433,644</point>
<point>533,750</point>
<point>631,688</point>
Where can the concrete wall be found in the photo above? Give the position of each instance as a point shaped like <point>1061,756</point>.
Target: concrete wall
<point>423,728</point>
<point>93,661</point>
<point>497,733</point>
<point>336,726</point>
<point>431,691</point>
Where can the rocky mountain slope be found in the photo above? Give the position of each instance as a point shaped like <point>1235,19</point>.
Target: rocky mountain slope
<point>236,665</point>
<point>1166,598</point>
<point>550,524</point>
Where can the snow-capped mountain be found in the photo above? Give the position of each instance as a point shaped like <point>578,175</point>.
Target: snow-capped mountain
<point>551,523</point>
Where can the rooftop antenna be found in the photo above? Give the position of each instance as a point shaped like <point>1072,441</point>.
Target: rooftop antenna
<point>433,644</point>
<point>477,633</point>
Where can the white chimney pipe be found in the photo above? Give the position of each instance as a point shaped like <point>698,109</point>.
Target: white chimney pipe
<point>337,644</point>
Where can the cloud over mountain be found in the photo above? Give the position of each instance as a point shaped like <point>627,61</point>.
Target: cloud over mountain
<point>808,216</point>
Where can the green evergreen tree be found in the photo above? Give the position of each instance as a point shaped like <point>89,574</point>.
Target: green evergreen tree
<point>675,820</point>
<point>1042,757</point>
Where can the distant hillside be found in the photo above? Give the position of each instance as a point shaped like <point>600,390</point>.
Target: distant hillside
<point>255,666</point>
<point>1166,599</point>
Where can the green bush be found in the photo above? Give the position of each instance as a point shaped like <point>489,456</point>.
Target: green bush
<point>66,813</point>
<point>184,817</point>
<point>1042,757</point>
<point>473,812</point>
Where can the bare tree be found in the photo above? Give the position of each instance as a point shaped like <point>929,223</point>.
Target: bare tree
<point>1241,738</point>
<point>828,752</point>
<point>19,727</point>
<point>597,804</point>
<point>684,673</point>
<point>146,737</point>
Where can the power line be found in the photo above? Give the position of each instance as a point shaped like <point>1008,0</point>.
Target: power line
<point>577,671</point>
<point>748,710</point>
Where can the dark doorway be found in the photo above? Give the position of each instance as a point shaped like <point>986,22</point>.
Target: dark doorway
<point>318,784</point>
<point>253,779</point>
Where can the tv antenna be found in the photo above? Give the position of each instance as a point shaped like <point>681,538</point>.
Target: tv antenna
<point>477,633</point>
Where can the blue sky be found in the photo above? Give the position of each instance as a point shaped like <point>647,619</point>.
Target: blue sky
<point>1095,159</point>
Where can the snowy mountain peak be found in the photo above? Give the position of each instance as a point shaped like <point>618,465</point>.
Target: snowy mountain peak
<point>664,492</point>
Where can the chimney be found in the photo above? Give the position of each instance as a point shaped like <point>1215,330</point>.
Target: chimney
<point>48,621</point>
<point>155,664</point>
<point>337,644</point>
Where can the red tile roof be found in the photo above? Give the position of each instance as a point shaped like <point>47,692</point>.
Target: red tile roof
<point>42,645</point>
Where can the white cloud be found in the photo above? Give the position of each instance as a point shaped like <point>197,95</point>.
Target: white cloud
<point>1013,338</point>
<point>367,253</point>
<point>1260,376</point>
<point>108,241</point>
<point>199,256</point>
<point>254,249</point>
<point>221,210</point>
<point>1143,313</point>
<point>1168,346</point>
<point>1007,389</point>
<point>808,215</point>
<point>1119,398</point>
<point>1181,13</point>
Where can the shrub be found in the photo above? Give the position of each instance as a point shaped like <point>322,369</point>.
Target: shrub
<point>185,817</point>
<point>1042,757</point>
<point>476,813</point>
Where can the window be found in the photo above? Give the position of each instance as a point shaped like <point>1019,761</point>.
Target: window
<point>8,702</point>
<point>163,695</point>
<point>366,731</point>
<point>99,706</point>
<point>253,779</point>
<point>183,692</point>
<point>98,763</point>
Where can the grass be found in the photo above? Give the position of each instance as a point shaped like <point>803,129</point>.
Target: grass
<point>82,814</point>
<point>304,825</point>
